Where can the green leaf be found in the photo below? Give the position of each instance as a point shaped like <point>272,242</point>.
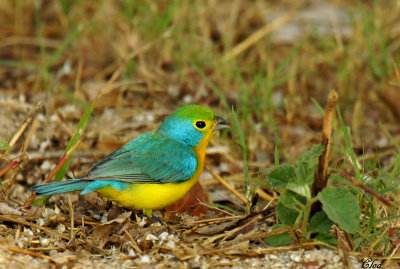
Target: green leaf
<point>286,215</point>
<point>4,145</point>
<point>339,179</point>
<point>306,165</point>
<point>281,175</point>
<point>320,223</point>
<point>304,169</point>
<point>282,239</point>
<point>326,238</point>
<point>341,206</point>
<point>288,198</point>
<point>302,189</point>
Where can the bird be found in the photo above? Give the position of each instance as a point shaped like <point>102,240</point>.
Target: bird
<point>153,170</point>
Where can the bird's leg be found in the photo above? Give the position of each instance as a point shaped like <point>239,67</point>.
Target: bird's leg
<point>148,213</point>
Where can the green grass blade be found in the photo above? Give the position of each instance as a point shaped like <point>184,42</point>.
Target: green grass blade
<point>227,208</point>
<point>75,137</point>
<point>349,148</point>
<point>212,85</point>
<point>243,147</point>
<point>64,45</point>
<point>75,99</point>
<point>4,145</point>
<point>18,64</point>
<point>291,55</point>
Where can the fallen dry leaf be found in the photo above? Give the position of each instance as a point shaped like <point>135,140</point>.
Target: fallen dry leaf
<point>191,200</point>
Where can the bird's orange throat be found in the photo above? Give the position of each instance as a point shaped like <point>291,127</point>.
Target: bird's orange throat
<point>200,149</point>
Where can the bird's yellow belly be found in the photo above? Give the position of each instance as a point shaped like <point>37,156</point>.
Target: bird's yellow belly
<point>149,196</point>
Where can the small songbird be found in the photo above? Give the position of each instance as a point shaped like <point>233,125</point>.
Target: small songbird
<point>155,169</point>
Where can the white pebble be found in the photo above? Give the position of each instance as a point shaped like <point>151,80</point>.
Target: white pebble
<point>295,258</point>
<point>187,99</point>
<point>22,98</point>
<point>60,228</point>
<point>142,222</point>
<point>20,244</point>
<point>41,117</point>
<point>47,165</point>
<point>104,218</point>
<point>54,118</point>
<point>131,253</point>
<point>28,231</point>
<point>151,237</point>
<point>44,242</point>
<point>145,259</point>
<point>170,244</point>
<point>149,117</point>
<point>163,236</point>
<point>44,145</point>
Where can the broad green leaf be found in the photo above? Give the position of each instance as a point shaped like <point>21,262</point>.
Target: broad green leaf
<point>281,175</point>
<point>4,145</point>
<point>282,239</point>
<point>337,178</point>
<point>320,223</point>
<point>286,215</point>
<point>341,206</point>
<point>306,165</point>
<point>288,198</point>
<point>302,189</point>
<point>326,238</point>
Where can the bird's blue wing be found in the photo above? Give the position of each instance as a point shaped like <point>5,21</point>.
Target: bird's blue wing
<point>149,158</point>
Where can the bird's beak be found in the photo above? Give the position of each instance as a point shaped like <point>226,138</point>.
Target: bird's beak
<point>221,124</point>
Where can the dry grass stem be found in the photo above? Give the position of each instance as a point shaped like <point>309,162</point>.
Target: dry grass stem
<point>321,177</point>
<point>32,113</point>
<point>257,36</point>
<point>228,186</point>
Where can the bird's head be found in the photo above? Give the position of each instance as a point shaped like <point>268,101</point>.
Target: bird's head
<point>190,124</point>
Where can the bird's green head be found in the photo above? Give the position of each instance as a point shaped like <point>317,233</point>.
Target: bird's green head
<point>191,124</point>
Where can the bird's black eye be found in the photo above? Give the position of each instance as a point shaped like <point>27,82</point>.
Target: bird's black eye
<point>200,124</point>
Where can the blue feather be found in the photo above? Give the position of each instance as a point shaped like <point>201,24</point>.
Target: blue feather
<point>84,186</point>
<point>60,187</point>
<point>149,158</point>
<point>97,184</point>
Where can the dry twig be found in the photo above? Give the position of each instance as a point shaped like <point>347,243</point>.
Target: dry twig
<point>361,186</point>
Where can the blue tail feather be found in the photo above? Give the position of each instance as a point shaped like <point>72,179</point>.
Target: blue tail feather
<point>60,187</point>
